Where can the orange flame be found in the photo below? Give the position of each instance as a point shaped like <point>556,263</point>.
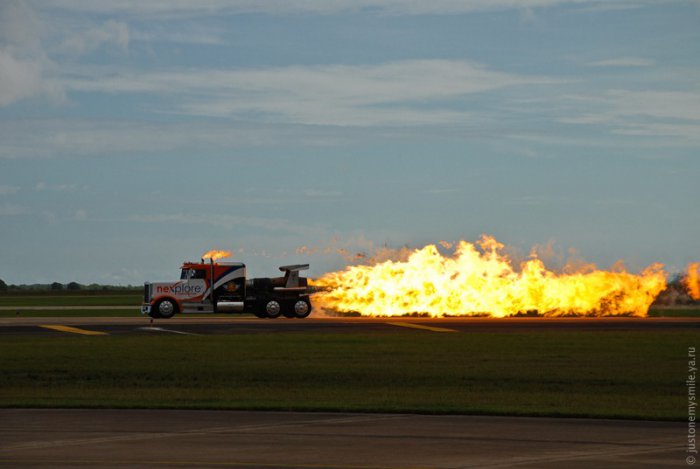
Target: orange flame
<point>215,254</point>
<point>692,280</point>
<point>482,281</point>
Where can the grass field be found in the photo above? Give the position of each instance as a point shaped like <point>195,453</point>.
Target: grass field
<point>671,312</point>
<point>72,300</point>
<point>72,313</point>
<point>585,374</point>
<point>65,299</point>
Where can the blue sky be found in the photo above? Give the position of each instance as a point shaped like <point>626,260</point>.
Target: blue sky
<point>135,135</point>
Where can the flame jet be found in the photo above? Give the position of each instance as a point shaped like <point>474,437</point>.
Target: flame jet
<point>216,254</point>
<point>479,279</point>
<point>692,280</point>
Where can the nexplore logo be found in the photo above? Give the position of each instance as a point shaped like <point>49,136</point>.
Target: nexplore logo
<point>180,289</point>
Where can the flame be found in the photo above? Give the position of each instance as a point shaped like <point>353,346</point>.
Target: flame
<point>692,280</point>
<point>215,254</point>
<point>483,281</point>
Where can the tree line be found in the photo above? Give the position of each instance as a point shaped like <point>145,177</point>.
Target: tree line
<point>57,286</point>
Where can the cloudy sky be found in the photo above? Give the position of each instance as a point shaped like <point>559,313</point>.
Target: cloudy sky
<point>135,135</point>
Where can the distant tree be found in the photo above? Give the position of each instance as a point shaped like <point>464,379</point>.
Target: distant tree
<point>56,286</point>
<point>3,285</point>
<point>73,286</point>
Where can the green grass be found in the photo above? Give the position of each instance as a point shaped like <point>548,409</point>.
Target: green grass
<point>68,299</point>
<point>671,312</point>
<point>72,300</point>
<point>72,313</point>
<point>557,373</point>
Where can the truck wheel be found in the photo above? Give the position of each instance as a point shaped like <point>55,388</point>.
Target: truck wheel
<point>302,308</point>
<point>166,308</point>
<point>273,308</point>
<point>260,312</point>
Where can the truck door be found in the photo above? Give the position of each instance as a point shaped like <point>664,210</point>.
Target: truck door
<point>193,283</point>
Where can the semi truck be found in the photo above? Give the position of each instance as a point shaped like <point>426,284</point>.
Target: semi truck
<point>222,287</point>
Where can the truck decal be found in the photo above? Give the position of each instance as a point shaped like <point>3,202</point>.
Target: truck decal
<point>180,288</point>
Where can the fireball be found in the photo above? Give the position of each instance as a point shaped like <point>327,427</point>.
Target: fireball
<point>480,279</point>
<point>692,280</point>
<point>216,254</point>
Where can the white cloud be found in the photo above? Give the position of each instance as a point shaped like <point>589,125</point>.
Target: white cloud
<point>184,35</point>
<point>7,209</point>
<point>111,33</point>
<point>438,191</point>
<point>19,25</point>
<point>278,104</point>
<point>50,217</point>
<point>658,104</point>
<point>22,60</point>
<point>26,63</point>
<point>186,8</point>
<point>623,62</point>
<point>22,78</point>
<point>228,222</point>
<point>42,186</point>
<point>622,5</point>
<point>8,190</point>
<point>68,137</point>
<point>688,132</point>
<point>321,194</point>
<point>394,93</point>
<point>650,113</point>
<point>123,276</point>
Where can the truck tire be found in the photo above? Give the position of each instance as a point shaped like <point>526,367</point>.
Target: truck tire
<point>273,308</point>
<point>302,308</point>
<point>260,312</point>
<point>165,308</point>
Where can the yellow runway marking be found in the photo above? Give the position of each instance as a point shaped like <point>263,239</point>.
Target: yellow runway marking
<point>74,330</point>
<point>418,326</point>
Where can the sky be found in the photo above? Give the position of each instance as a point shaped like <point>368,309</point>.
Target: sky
<point>136,135</point>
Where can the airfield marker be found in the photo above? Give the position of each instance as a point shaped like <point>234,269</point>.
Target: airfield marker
<point>418,326</point>
<point>74,330</point>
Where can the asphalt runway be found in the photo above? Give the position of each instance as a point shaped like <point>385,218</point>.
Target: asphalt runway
<point>200,439</point>
<point>203,325</point>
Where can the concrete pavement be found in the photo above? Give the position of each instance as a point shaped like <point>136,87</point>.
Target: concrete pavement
<point>180,438</point>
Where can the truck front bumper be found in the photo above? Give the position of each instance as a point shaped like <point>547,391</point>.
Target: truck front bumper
<point>146,309</point>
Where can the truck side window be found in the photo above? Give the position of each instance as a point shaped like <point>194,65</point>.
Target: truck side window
<point>199,273</point>
<point>193,273</point>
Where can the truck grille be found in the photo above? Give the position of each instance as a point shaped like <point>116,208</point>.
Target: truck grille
<point>146,292</point>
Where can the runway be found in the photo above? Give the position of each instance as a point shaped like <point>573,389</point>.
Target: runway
<point>203,325</point>
<point>181,438</point>
<point>210,438</point>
